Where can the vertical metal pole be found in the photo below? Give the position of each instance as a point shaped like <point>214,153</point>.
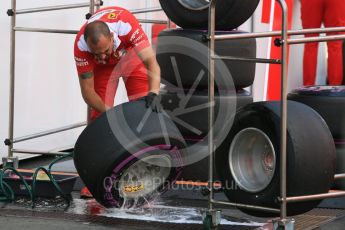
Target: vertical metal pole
<point>12,77</point>
<point>211,44</point>
<point>98,5</point>
<point>92,6</point>
<point>91,11</point>
<point>283,122</point>
<point>169,23</point>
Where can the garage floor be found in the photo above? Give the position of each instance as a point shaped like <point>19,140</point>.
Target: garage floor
<point>177,209</point>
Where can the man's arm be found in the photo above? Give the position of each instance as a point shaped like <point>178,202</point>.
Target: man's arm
<point>148,57</point>
<point>86,81</point>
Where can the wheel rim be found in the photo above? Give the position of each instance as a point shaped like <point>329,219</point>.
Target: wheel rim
<point>195,4</point>
<point>252,160</point>
<point>145,176</point>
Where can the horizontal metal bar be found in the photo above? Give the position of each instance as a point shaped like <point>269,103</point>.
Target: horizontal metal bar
<point>153,21</point>
<point>295,199</point>
<point>41,30</point>
<point>146,10</point>
<point>257,60</point>
<point>38,152</point>
<point>245,35</point>
<point>51,8</point>
<point>246,206</point>
<point>317,31</point>
<point>315,39</point>
<point>52,131</point>
<point>339,176</point>
<point>278,33</point>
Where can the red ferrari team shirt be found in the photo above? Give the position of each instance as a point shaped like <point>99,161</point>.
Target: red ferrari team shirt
<point>128,36</point>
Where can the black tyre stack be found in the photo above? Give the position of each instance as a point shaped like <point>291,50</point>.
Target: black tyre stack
<point>248,160</point>
<point>329,102</point>
<point>310,157</point>
<point>183,56</point>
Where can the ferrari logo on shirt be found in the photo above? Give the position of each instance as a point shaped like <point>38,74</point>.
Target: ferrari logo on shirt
<point>112,16</point>
<point>119,53</point>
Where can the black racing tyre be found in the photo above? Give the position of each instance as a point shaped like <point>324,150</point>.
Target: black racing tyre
<point>184,53</point>
<point>199,119</point>
<point>129,155</point>
<point>340,169</point>
<point>329,102</point>
<point>230,14</point>
<point>248,161</point>
<point>172,101</point>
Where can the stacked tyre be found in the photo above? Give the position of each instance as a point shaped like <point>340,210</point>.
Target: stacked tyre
<point>248,141</point>
<point>183,57</point>
<point>329,102</point>
<point>248,161</point>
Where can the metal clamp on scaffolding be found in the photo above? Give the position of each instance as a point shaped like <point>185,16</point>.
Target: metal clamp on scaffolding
<point>283,42</point>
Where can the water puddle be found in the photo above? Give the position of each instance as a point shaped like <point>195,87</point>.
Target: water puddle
<point>159,212</point>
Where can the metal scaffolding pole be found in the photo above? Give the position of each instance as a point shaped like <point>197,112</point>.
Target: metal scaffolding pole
<point>42,30</point>
<point>91,12</point>
<point>148,10</point>
<point>48,132</point>
<point>279,33</point>
<point>92,7</point>
<point>153,21</point>
<point>38,152</point>
<point>12,78</point>
<point>283,121</point>
<point>211,73</point>
<point>53,8</point>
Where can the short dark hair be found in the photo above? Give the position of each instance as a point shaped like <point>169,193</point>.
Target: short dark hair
<point>94,30</point>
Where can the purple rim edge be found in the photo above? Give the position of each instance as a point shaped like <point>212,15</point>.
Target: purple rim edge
<point>339,142</point>
<point>108,195</point>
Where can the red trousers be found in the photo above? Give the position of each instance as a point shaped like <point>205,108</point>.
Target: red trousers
<point>106,78</point>
<point>332,14</point>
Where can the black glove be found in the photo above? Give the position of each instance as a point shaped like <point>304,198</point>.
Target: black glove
<point>153,101</point>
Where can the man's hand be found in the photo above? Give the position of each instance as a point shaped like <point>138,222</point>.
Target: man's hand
<point>152,100</point>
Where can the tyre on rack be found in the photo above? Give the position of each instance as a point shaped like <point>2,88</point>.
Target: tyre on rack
<point>340,169</point>
<point>193,110</point>
<point>248,161</point>
<point>129,155</point>
<point>230,14</point>
<point>329,102</point>
<point>185,53</point>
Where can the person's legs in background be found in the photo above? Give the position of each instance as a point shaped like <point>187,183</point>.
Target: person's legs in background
<point>335,17</point>
<point>312,15</point>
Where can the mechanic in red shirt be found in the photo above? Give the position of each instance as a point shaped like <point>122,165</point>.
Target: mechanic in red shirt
<point>110,45</point>
<point>332,14</point>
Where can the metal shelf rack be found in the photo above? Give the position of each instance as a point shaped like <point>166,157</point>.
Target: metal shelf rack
<point>93,5</point>
<point>284,222</point>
